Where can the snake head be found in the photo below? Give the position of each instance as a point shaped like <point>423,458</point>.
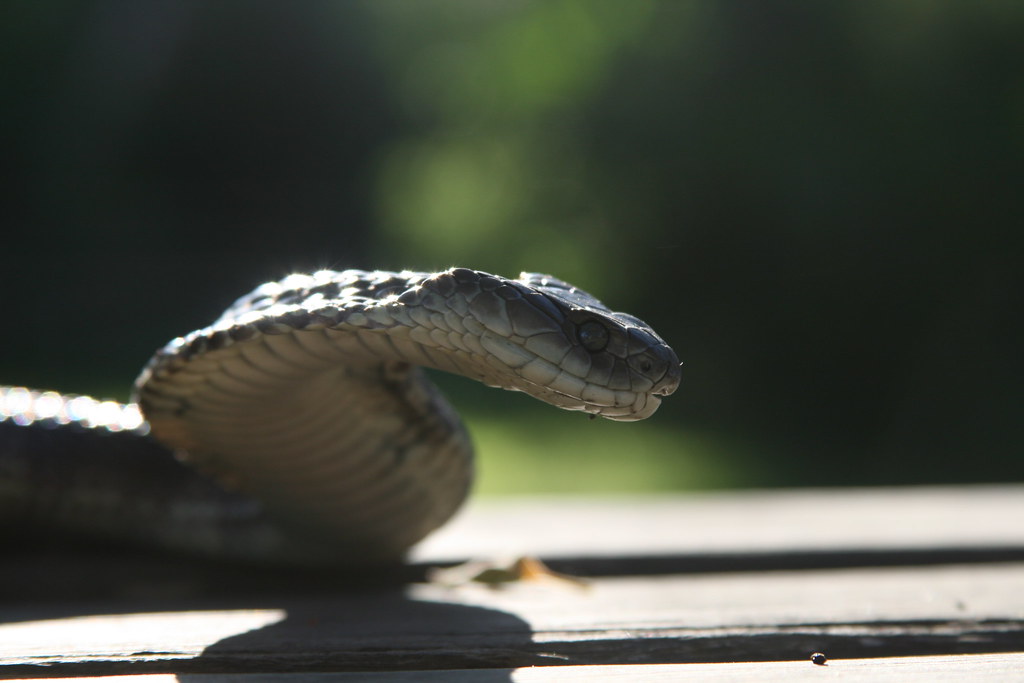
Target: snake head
<point>556,342</point>
<point>625,352</point>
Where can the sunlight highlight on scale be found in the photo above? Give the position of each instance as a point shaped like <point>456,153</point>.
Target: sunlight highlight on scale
<point>24,407</point>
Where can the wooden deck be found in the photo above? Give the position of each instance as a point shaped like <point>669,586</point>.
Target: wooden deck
<point>890,584</point>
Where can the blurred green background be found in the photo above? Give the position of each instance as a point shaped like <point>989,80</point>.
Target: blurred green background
<point>818,204</point>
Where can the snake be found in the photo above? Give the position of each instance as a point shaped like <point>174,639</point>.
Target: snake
<point>300,427</point>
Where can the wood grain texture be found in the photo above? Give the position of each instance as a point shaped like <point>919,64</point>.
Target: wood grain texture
<point>741,523</point>
<point>1005,668</point>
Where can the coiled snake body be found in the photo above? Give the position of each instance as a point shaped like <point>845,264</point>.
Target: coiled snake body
<point>318,437</point>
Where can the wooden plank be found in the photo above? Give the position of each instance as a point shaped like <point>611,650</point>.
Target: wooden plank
<point>744,523</point>
<point>750,531</point>
<point>761,616</point>
<point>1003,668</point>
<point>870,607</point>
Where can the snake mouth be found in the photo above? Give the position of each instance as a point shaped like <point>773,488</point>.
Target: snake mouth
<point>639,406</point>
<point>667,385</point>
<point>646,404</point>
<point>640,410</point>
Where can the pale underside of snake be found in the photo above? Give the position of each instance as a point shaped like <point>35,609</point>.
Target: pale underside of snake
<point>299,428</point>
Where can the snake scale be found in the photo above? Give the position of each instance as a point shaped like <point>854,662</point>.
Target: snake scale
<point>299,428</point>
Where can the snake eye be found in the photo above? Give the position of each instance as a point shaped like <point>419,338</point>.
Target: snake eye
<point>592,335</point>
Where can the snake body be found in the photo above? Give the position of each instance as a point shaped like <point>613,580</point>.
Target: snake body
<point>304,407</point>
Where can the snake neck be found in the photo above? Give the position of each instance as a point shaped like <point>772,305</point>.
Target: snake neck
<point>367,455</point>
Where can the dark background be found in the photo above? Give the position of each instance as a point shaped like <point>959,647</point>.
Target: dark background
<point>818,204</point>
